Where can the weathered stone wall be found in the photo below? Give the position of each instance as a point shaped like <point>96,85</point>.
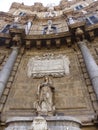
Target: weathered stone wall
<point>74,93</point>
<point>71,91</point>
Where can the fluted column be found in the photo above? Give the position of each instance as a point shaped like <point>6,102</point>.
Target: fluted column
<point>91,66</point>
<point>6,71</point>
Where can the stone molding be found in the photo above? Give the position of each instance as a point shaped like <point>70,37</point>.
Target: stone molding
<point>65,122</point>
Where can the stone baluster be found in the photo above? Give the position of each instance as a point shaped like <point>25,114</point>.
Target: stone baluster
<point>6,71</point>
<point>91,66</point>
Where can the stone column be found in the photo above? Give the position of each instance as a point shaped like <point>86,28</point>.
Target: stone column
<point>91,66</point>
<point>6,71</point>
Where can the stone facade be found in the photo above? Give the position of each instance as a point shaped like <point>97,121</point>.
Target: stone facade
<point>58,42</point>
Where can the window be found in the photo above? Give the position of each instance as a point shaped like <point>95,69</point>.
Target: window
<point>22,14</point>
<point>88,22</point>
<point>94,19</point>
<point>14,25</point>
<point>79,7</point>
<point>6,29</point>
<point>91,20</point>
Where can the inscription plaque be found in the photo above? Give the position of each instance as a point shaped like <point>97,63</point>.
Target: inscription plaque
<point>48,64</point>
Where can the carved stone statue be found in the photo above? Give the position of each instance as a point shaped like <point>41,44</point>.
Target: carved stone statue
<point>49,29</point>
<point>39,123</point>
<point>51,12</point>
<point>44,104</point>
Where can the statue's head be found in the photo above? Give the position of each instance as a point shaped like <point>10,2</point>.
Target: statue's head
<point>46,79</point>
<point>49,22</point>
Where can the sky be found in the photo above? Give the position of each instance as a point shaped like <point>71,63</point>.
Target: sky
<point>5,4</point>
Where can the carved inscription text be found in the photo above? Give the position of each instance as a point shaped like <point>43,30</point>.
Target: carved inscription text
<point>48,64</point>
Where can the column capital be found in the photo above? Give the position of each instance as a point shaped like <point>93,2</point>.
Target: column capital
<point>84,42</point>
<point>14,48</point>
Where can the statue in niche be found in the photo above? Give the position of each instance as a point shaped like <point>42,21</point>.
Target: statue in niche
<point>50,29</point>
<point>44,104</point>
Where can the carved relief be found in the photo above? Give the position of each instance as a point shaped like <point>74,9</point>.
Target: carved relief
<point>51,13</point>
<point>39,123</point>
<point>48,64</point>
